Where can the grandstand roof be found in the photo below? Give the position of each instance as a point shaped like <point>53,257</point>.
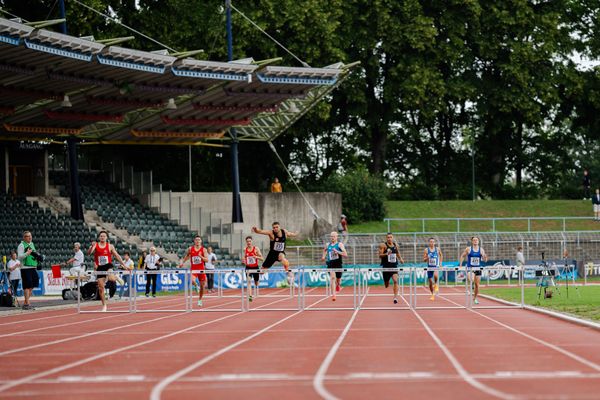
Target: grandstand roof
<point>53,86</point>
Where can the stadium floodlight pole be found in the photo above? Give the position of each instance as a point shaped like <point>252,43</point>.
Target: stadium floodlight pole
<point>190,166</point>
<point>236,210</point>
<point>473,165</point>
<point>76,206</point>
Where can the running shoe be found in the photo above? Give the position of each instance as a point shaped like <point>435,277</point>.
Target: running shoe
<point>153,295</point>
<point>250,299</point>
<point>333,298</point>
<point>104,308</point>
<point>476,301</point>
<point>199,303</point>
<point>147,295</point>
<point>436,288</point>
<point>432,298</point>
<point>337,287</point>
<point>395,300</point>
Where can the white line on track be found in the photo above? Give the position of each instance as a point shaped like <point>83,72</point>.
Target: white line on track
<point>470,379</point>
<point>320,375</point>
<point>567,353</point>
<point>74,364</point>
<point>85,335</point>
<point>160,387</point>
<point>72,323</point>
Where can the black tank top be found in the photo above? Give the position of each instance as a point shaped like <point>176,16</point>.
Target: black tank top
<point>385,260</point>
<point>278,244</point>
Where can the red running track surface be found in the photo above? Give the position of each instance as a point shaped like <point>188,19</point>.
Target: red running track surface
<point>284,354</point>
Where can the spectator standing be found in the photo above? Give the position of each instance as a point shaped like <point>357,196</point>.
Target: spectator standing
<point>210,266</point>
<point>276,186</point>
<point>151,264</point>
<point>76,261</point>
<point>587,184</point>
<point>26,254</point>
<point>520,257</point>
<point>142,259</point>
<point>128,267</point>
<point>342,228</point>
<point>596,205</point>
<point>15,273</point>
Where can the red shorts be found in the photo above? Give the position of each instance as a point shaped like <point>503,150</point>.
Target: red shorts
<point>197,273</point>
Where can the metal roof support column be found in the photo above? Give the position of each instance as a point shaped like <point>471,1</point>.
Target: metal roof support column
<point>76,206</point>
<point>236,206</point>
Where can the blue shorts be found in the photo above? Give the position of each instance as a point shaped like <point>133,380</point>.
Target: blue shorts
<point>430,274</point>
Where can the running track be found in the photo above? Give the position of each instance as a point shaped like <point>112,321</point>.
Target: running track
<point>345,354</point>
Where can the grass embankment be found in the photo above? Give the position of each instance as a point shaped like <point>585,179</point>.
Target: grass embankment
<point>583,301</point>
<point>482,209</point>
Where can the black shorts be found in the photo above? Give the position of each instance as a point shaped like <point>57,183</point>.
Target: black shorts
<point>335,264</point>
<point>104,268</point>
<point>477,272</point>
<point>30,278</point>
<point>253,275</point>
<point>387,275</point>
<point>271,258</point>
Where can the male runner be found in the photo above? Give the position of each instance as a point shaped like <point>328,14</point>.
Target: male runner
<point>432,255</point>
<point>198,256</point>
<point>389,255</point>
<point>277,236</point>
<point>332,254</point>
<point>103,253</point>
<point>475,258</point>
<point>251,256</point>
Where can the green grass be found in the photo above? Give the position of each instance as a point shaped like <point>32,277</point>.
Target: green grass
<point>586,304</point>
<point>482,209</point>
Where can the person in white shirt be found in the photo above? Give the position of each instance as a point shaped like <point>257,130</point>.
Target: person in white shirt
<point>15,272</point>
<point>128,267</point>
<point>210,265</point>
<point>76,261</point>
<point>152,264</point>
<point>520,257</point>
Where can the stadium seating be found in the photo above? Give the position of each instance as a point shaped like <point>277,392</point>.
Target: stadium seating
<point>126,212</point>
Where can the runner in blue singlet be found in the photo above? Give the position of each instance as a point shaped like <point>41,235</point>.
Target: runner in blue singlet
<point>476,258</point>
<point>332,254</point>
<point>432,255</point>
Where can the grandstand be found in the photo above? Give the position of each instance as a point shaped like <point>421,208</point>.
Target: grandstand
<point>126,212</point>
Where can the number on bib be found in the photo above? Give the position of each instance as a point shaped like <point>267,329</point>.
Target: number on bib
<point>196,260</point>
<point>392,258</point>
<point>279,246</point>
<point>103,260</point>
<point>333,255</point>
<point>475,261</point>
<point>433,261</point>
<point>250,260</point>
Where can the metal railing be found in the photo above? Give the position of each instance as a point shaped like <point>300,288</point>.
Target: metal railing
<point>492,223</point>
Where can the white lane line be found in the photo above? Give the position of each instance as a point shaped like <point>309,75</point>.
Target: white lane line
<point>567,353</point>
<point>160,387</point>
<point>38,375</point>
<point>320,375</point>
<point>470,379</point>
<point>69,323</point>
<point>36,346</point>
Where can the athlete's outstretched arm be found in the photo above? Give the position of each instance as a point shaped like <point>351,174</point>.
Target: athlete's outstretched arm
<point>462,256</point>
<point>259,255</point>
<point>92,248</point>
<point>425,255</point>
<point>185,258</point>
<point>117,256</point>
<point>260,231</point>
<point>291,234</point>
<point>440,256</point>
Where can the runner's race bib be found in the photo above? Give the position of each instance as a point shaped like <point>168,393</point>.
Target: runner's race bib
<point>475,261</point>
<point>333,255</point>
<point>102,260</point>
<point>196,260</point>
<point>279,246</point>
<point>250,260</point>
<point>392,258</point>
<point>433,261</point>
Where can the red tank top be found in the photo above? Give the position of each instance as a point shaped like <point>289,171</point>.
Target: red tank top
<point>196,259</point>
<point>250,257</point>
<point>102,255</point>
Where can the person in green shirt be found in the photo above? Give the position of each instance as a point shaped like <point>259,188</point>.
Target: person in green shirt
<point>29,275</point>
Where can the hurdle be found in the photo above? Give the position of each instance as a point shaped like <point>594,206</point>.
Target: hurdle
<point>130,302</point>
<point>325,272</point>
<point>404,273</point>
<point>230,276</point>
<point>293,295</point>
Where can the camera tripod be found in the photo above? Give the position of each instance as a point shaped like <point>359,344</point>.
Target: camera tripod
<point>5,285</point>
<point>546,274</point>
<point>567,271</point>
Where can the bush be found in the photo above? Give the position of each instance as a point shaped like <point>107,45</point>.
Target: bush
<point>363,195</point>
